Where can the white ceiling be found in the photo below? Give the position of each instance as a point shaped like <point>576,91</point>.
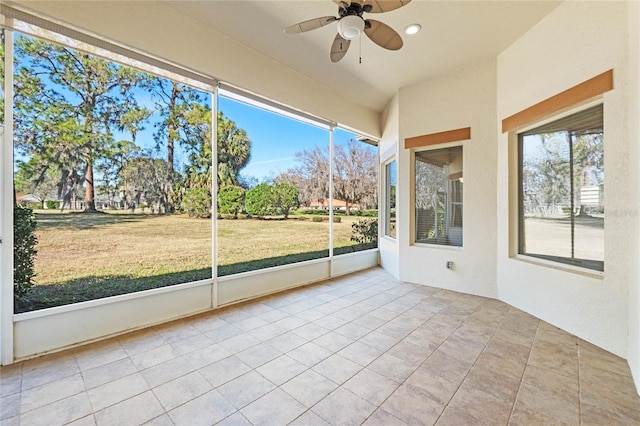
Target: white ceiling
<point>454,34</point>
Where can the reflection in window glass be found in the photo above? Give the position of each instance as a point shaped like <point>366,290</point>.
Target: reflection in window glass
<point>268,196</point>
<point>561,200</point>
<point>355,193</point>
<point>438,196</point>
<point>115,163</point>
<point>390,200</point>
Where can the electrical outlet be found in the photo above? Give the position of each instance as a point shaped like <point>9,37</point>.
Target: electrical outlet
<point>450,264</point>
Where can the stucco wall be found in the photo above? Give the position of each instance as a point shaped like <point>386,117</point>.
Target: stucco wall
<point>152,28</point>
<point>458,100</point>
<point>574,43</point>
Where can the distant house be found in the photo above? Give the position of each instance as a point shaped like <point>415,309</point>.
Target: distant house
<point>324,205</point>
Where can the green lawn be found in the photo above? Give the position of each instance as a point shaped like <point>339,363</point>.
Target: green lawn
<point>88,256</point>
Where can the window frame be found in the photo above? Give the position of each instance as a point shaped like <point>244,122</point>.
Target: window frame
<point>517,250</point>
<point>447,215</point>
<point>386,190</point>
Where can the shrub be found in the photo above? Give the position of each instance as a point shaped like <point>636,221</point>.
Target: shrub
<point>259,201</point>
<point>286,198</point>
<point>24,250</point>
<point>367,213</point>
<point>231,200</point>
<point>197,202</point>
<point>364,231</point>
<point>52,205</point>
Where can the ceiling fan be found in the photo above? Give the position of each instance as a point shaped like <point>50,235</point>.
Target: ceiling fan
<point>351,24</point>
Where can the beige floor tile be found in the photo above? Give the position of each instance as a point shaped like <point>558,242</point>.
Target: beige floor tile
<point>552,404</point>
<point>89,420</point>
<point>524,417</point>
<point>434,386</point>
<point>258,355</point>
<point>309,387</point>
<point>287,342</point>
<point>191,344</point>
<point>58,413</point>
<point>267,332</point>
<point>275,408</point>
<point>360,353</point>
<point>10,379</point>
<point>100,354</point>
<point>108,373</point>
<point>167,371</point>
<point>181,390</point>
<point>39,372</point>
<point>409,352</point>
<point>119,390</point>
<point>333,342</point>
<point>207,355</point>
<point>141,341</point>
<point>9,406</point>
<point>236,419</point>
<point>491,363</point>
<point>373,387</point>
<point>392,367</point>
<point>496,384</point>
<point>224,370</point>
<point>176,331</point>
<point>137,410</point>
<point>250,324</point>
<point>245,389</point>
<point>310,331</point>
<point>596,416</point>
<point>453,416</point>
<point>383,418</point>
<point>337,368</point>
<point>290,323</point>
<point>309,354</point>
<point>163,420</point>
<point>51,392</point>
<point>224,332</point>
<point>239,343</point>
<point>309,419</point>
<point>412,406</point>
<point>154,357</point>
<point>281,369</point>
<point>342,407</point>
<point>379,341</point>
<point>481,405</point>
<point>204,410</point>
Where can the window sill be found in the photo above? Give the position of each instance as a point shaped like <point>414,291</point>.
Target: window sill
<point>437,246</point>
<point>559,266</point>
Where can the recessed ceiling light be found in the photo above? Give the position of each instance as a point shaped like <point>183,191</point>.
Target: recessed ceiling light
<point>412,29</point>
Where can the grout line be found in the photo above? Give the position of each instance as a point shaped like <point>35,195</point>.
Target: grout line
<point>525,369</point>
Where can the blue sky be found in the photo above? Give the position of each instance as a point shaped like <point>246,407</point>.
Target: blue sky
<point>275,138</point>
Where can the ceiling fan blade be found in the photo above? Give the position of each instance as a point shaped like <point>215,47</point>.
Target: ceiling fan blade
<point>309,25</point>
<point>383,35</point>
<point>379,6</point>
<point>339,48</point>
<point>348,2</point>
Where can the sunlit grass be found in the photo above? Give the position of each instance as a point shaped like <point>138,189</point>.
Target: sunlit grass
<point>87,256</point>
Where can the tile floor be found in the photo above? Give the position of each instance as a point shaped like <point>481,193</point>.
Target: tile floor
<point>361,349</point>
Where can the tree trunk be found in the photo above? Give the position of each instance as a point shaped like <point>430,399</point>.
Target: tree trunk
<point>89,197</point>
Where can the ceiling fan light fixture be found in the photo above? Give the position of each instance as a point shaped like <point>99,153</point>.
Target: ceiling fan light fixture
<point>412,29</point>
<point>350,27</point>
